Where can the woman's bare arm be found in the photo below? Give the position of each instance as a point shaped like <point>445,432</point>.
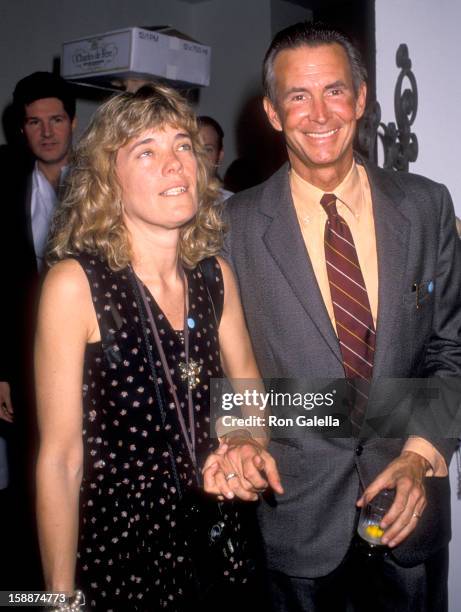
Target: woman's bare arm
<point>66,322</point>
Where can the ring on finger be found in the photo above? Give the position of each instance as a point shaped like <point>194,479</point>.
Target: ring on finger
<point>416,515</point>
<point>230,476</point>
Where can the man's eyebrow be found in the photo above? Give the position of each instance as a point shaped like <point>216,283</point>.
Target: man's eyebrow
<point>37,118</point>
<point>336,84</point>
<point>294,90</point>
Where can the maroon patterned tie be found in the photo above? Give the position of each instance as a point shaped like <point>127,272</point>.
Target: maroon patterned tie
<point>351,306</point>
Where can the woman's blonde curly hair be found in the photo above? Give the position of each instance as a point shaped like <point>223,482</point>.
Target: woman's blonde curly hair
<point>90,217</point>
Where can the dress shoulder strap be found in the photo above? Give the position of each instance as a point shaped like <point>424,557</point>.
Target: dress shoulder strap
<point>108,292</point>
<point>212,275</point>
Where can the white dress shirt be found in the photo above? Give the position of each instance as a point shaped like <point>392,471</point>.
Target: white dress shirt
<point>43,204</point>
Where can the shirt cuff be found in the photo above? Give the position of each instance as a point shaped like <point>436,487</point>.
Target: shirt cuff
<point>255,432</point>
<point>424,448</point>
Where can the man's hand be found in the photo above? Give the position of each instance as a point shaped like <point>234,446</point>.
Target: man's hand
<point>6,407</point>
<point>240,467</point>
<point>405,474</point>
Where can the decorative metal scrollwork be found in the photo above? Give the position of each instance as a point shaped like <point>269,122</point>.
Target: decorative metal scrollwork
<point>400,144</point>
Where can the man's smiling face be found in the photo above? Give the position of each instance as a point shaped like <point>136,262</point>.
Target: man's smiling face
<point>316,108</point>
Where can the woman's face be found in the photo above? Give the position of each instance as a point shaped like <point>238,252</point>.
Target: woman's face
<point>157,172</point>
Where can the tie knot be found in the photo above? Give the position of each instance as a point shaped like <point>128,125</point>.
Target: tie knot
<point>328,201</point>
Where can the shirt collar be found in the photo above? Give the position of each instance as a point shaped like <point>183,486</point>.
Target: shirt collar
<point>348,192</point>
<point>41,178</point>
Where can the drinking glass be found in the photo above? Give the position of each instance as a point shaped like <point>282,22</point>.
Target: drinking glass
<point>371,516</point>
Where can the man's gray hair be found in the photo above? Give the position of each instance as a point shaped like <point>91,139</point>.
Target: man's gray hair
<point>310,35</point>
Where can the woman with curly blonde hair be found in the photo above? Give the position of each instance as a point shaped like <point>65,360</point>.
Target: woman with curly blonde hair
<point>91,217</point>
<point>129,315</point>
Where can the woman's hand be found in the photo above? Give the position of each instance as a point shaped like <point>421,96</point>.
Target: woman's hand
<point>241,467</point>
<point>6,406</point>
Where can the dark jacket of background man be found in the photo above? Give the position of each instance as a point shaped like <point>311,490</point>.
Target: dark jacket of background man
<point>44,109</point>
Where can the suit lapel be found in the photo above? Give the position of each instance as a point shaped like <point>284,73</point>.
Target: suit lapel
<point>392,230</point>
<point>28,209</point>
<point>284,242</point>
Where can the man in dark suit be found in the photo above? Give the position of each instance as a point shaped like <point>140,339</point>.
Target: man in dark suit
<point>345,271</point>
<point>44,107</point>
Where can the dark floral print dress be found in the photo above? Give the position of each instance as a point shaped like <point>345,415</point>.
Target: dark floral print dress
<point>132,553</point>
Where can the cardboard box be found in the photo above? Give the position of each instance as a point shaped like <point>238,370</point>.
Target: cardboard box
<point>103,59</point>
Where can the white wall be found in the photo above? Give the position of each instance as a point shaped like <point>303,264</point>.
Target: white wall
<point>431,31</point>
<point>239,32</point>
<point>31,33</point>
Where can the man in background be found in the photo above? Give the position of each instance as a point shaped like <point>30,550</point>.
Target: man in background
<point>44,108</point>
<point>213,141</point>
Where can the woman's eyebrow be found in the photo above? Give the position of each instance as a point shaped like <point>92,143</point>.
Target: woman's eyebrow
<point>142,142</point>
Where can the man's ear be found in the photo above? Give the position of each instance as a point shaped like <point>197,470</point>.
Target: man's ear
<point>361,101</point>
<point>74,123</point>
<point>272,114</point>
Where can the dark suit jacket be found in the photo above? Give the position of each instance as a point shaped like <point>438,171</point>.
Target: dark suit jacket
<point>20,280</point>
<point>307,530</point>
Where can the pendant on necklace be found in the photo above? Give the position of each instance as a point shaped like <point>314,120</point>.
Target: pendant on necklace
<point>190,372</point>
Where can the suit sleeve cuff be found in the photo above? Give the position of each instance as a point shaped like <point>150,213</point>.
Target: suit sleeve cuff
<point>424,448</point>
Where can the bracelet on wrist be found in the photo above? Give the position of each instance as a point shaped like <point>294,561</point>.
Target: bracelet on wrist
<point>73,603</point>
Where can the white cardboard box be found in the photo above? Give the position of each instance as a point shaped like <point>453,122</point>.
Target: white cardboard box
<point>135,53</point>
